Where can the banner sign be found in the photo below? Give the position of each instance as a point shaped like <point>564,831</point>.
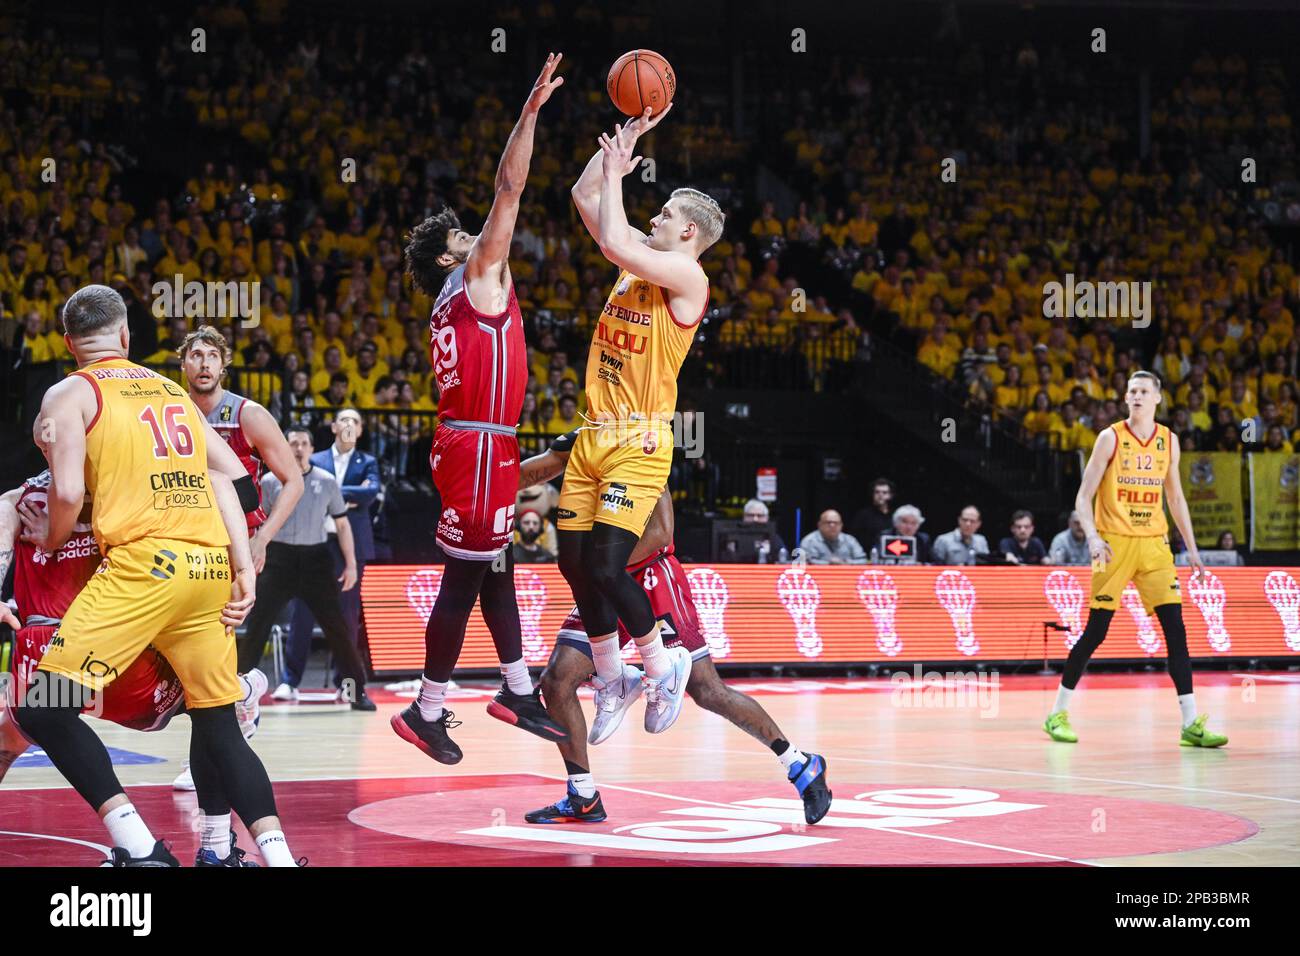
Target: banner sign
<point>764,614</point>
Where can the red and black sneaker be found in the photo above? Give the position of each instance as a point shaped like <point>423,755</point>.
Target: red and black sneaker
<point>429,735</point>
<point>572,809</point>
<point>526,712</point>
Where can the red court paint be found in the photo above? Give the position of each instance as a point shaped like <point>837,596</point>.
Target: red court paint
<point>478,820</point>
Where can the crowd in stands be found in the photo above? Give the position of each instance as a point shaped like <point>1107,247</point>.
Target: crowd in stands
<point>955,268</point>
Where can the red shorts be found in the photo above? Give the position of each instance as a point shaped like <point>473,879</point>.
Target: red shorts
<point>477,477</point>
<point>670,598</point>
<point>145,697</point>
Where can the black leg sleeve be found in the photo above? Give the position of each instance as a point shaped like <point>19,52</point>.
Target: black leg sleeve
<point>607,575</point>
<point>500,609</point>
<point>242,775</point>
<point>1093,634</point>
<point>444,635</point>
<point>51,716</point>
<point>1180,659</point>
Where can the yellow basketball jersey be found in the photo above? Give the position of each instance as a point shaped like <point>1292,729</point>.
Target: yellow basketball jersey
<point>1131,499</point>
<point>636,354</point>
<point>147,460</point>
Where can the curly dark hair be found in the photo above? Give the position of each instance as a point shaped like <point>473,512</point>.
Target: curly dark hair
<point>424,244</point>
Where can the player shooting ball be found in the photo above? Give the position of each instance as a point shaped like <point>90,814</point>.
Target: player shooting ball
<point>619,466</point>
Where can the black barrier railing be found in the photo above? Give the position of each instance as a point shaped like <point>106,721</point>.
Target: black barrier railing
<point>912,391</point>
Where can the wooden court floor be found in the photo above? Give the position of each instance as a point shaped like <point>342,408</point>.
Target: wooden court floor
<point>950,774</point>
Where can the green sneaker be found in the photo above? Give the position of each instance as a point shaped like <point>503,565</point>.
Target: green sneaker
<point>1058,728</point>
<point>1195,735</point>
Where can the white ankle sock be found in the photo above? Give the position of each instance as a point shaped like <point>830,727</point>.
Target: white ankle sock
<point>1063,695</point>
<point>583,784</point>
<point>655,658</point>
<point>432,694</point>
<point>128,831</point>
<point>607,658</point>
<point>214,834</point>
<point>791,757</point>
<point>1187,704</point>
<point>516,677</point>
<point>275,849</point>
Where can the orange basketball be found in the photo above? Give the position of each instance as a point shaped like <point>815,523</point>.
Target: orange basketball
<point>641,78</point>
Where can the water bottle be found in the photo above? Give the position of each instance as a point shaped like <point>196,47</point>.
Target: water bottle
<point>764,548</point>
<point>783,556</point>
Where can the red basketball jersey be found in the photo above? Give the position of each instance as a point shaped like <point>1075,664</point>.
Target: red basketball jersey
<point>226,418</point>
<point>44,583</point>
<point>479,361</point>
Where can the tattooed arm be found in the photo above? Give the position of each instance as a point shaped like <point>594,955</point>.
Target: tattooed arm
<point>549,464</point>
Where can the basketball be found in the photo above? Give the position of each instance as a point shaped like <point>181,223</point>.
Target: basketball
<point>640,79</point>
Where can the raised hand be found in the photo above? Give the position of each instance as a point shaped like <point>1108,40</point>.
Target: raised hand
<point>640,125</point>
<point>547,83</point>
<point>618,159</point>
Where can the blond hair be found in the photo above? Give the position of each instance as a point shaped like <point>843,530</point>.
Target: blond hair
<point>703,210</point>
<point>206,335</point>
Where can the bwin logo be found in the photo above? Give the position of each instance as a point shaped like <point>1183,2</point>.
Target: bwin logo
<point>75,909</point>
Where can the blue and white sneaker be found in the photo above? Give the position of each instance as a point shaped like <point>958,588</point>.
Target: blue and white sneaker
<point>809,778</point>
<point>612,702</point>
<point>572,809</point>
<point>663,697</point>
<point>208,858</point>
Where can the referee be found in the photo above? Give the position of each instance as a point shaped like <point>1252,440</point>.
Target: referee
<point>299,565</point>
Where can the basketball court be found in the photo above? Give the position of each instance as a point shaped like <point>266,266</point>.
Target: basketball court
<point>930,772</point>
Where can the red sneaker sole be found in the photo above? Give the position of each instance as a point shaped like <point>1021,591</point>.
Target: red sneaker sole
<point>505,714</point>
<point>406,733</point>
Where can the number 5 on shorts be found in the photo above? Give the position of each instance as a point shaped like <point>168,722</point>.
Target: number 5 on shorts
<point>504,517</point>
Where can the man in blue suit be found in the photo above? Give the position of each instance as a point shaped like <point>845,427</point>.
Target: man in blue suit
<point>358,477</point>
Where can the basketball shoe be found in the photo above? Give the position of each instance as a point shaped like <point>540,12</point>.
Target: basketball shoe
<point>809,779</point>
<point>663,697</point>
<point>160,856</point>
<point>207,858</point>
<point>1195,735</point>
<point>612,702</point>
<point>526,712</point>
<point>429,735</point>
<point>572,809</point>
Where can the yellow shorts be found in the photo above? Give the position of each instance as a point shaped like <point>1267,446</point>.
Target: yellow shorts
<point>1147,562</point>
<point>615,475</point>
<point>157,591</point>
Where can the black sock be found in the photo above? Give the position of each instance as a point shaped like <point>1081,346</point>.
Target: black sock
<point>779,746</point>
<point>573,769</point>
